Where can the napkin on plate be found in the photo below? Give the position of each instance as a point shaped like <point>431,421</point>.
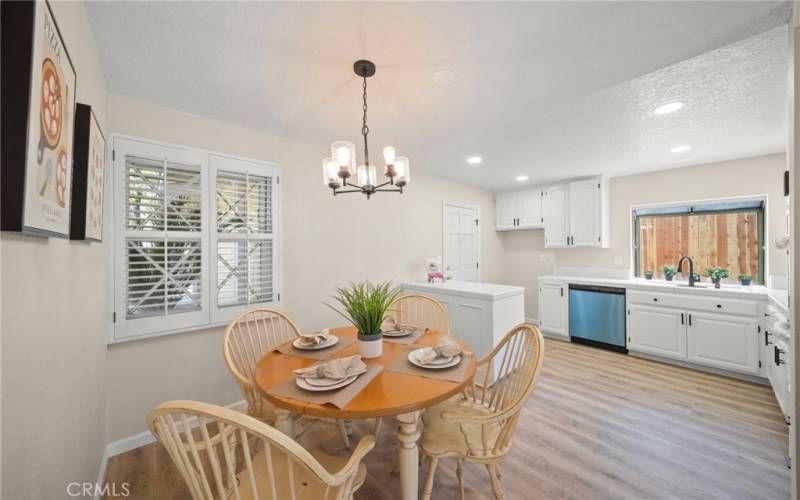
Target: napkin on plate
<point>313,339</point>
<point>445,348</point>
<point>337,369</point>
<point>390,324</point>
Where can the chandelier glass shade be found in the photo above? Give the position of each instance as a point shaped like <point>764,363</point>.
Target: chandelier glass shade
<point>339,171</point>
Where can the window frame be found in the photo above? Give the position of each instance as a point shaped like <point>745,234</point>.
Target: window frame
<point>762,227</point>
<point>211,315</point>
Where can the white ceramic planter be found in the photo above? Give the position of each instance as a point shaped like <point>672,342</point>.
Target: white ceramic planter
<point>372,348</point>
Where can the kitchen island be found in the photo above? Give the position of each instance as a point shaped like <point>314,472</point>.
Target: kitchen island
<point>480,313</point>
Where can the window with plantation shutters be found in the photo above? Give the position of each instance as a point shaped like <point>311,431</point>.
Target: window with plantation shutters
<point>195,239</point>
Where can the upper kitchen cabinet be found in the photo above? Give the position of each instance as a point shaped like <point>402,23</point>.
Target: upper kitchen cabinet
<point>519,210</point>
<point>556,230</point>
<point>584,213</point>
<point>577,214</point>
<point>573,213</point>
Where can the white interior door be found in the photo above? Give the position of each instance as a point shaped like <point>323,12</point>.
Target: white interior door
<point>461,242</point>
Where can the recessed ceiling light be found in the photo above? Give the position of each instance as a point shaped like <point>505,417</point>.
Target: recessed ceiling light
<point>680,149</point>
<point>443,77</point>
<point>669,108</point>
<point>688,159</point>
<point>474,160</point>
<point>522,178</point>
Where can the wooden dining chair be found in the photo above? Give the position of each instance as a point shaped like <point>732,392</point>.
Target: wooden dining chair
<point>477,426</point>
<point>249,337</point>
<point>421,310</point>
<point>224,454</point>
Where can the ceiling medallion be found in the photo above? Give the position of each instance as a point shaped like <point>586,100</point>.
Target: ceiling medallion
<point>341,165</point>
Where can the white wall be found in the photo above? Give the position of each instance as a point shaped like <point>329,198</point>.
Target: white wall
<point>327,242</point>
<point>53,336</point>
<point>743,177</point>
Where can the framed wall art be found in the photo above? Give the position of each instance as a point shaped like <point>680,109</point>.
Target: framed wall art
<point>88,173</point>
<point>38,100</point>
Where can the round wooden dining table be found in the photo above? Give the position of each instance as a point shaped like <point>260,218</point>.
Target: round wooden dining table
<point>388,394</point>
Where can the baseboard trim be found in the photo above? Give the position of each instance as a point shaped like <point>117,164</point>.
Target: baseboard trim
<point>129,443</point>
<point>756,379</point>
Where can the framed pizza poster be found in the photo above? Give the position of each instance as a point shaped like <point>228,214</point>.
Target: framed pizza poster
<point>38,82</point>
<point>88,169</point>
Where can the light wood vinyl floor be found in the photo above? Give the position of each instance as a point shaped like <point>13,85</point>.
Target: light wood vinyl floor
<point>599,425</point>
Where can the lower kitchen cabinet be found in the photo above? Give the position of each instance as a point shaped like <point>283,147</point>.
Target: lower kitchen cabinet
<point>553,308</point>
<point>723,341</point>
<point>657,330</point>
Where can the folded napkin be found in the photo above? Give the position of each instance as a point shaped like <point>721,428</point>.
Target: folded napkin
<point>445,348</point>
<point>316,338</point>
<point>392,325</point>
<point>337,369</point>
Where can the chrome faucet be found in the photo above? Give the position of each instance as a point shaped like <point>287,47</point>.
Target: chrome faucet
<point>691,269</point>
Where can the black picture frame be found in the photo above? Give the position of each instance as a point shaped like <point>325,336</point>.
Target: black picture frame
<point>88,176</point>
<point>35,189</point>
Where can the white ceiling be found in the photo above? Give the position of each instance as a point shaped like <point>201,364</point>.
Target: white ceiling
<point>547,89</point>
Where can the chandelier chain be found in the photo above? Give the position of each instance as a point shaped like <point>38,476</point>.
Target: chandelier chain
<point>364,128</point>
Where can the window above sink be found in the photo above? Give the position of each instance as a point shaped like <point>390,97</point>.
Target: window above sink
<point>725,233</point>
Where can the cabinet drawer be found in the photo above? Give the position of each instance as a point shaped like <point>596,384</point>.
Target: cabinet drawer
<point>695,302</point>
<point>654,298</point>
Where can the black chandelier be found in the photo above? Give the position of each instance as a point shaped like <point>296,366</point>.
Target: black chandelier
<point>341,165</point>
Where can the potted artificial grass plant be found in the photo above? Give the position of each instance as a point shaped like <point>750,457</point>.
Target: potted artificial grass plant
<point>669,272</point>
<point>745,279</point>
<point>365,305</point>
<point>716,274</point>
<point>648,275</point>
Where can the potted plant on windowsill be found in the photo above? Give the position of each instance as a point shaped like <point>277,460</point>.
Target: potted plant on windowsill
<point>669,272</point>
<point>716,274</point>
<point>648,275</point>
<point>365,305</point>
<point>745,279</point>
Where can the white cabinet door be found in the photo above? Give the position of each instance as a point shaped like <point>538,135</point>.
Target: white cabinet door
<point>723,341</point>
<point>553,308</point>
<point>584,213</point>
<point>506,210</point>
<point>657,330</point>
<point>530,209</point>
<point>555,226</point>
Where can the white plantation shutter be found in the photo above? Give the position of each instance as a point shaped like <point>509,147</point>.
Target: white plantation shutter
<point>195,239</point>
<point>244,235</point>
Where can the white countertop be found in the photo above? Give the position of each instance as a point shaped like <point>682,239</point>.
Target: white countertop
<point>490,291</point>
<point>752,292</point>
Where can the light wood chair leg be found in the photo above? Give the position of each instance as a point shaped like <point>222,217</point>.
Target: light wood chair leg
<point>377,429</point>
<point>428,490</point>
<point>496,489</point>
<point>343,429</point>
<point>497,468</point>
<point>460,475</point>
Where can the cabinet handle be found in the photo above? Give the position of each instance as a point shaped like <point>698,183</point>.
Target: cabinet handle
<point>690,319</point>
<point>767,335</point>
<point>655,299</point>
<point>562,292</point>
<point>681,318</point>
<point>719,306</point>
<point>778,360</point>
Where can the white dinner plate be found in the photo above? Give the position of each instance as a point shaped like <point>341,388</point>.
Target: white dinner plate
<point>331,341</point>
<point>435,365</point>
<point>399,333</point>
<point>305,384</point>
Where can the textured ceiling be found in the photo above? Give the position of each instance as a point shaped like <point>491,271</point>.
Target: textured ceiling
<point>547,89</point>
